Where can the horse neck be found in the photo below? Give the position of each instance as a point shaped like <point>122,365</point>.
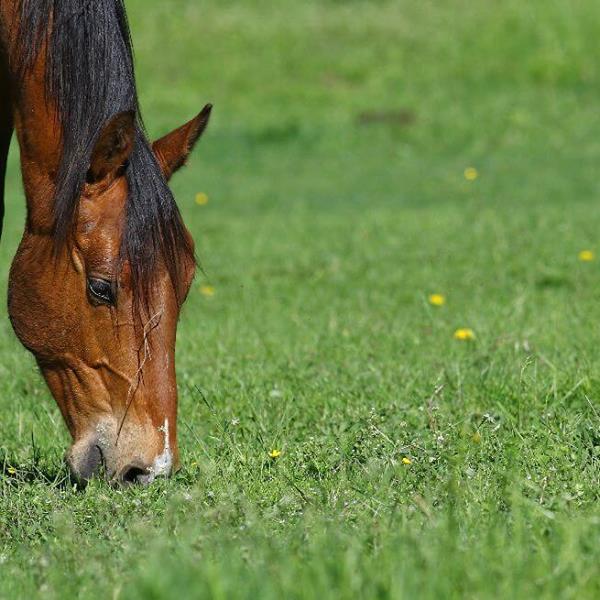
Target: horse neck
<point>6,128</point>
<point>6,117</point>
<point>27,109</point>
<point>39,137</point>
<point>38,133</point>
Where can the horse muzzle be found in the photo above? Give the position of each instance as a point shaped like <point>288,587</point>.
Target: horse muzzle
<point>124,457</point>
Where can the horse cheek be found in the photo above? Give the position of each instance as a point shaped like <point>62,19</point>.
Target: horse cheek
<point>40,307</point>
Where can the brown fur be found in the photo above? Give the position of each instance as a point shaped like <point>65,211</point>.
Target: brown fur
<point>114,382</point>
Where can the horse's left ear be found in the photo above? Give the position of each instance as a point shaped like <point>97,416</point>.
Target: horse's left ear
<point>173,149</point>
<point>113,146</point>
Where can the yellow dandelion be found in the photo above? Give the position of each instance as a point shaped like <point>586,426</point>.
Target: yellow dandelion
<point>406,461</point>
<point>476,438</point>
<point>201,199</point>
<point>464,334</point>
<point>471,174</point>
<point>586,256</point>
<point>437,300</point>
<point>207,290</point>
<point>274,454</point>
<point>12,470</point>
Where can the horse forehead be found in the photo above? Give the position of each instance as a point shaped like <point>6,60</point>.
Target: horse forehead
<point>103,209</point>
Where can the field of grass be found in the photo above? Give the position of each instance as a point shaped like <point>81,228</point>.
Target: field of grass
<point>412,465</point>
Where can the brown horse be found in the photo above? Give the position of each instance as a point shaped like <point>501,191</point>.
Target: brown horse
<point>105,262</point>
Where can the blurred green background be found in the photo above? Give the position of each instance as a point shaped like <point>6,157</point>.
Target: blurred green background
<point>411,464</point>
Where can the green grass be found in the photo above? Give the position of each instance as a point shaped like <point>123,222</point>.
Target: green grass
<point>325,232</point>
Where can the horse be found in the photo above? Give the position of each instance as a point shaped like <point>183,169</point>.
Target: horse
<point>105,262</point>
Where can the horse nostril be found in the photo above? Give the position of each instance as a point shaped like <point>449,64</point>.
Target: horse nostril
<point>134,474</point>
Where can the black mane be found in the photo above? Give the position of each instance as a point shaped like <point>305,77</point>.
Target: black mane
<point>90,77</point>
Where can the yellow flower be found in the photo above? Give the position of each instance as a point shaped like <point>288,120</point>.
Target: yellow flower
<point>464,334</point>
<point>207,290</point>
<point>201,199</point>
<point>12,470</point>
<point>406,461</point>
<point>437,299</point>
<point>275,453</point>
<point>471,174</point>
<point>586,255</point>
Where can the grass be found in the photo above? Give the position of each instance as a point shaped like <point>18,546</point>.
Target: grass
<point>337,203</point>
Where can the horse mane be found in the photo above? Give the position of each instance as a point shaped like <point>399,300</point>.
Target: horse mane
<point>90,77</point>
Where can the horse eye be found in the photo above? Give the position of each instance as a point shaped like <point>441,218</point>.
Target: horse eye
<point>101,290</point>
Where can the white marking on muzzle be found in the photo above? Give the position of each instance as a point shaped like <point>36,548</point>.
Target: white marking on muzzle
<point>163,462</point>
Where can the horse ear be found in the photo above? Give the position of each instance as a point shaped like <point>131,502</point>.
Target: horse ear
<point>113,147</point>
<point>173,149</point>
